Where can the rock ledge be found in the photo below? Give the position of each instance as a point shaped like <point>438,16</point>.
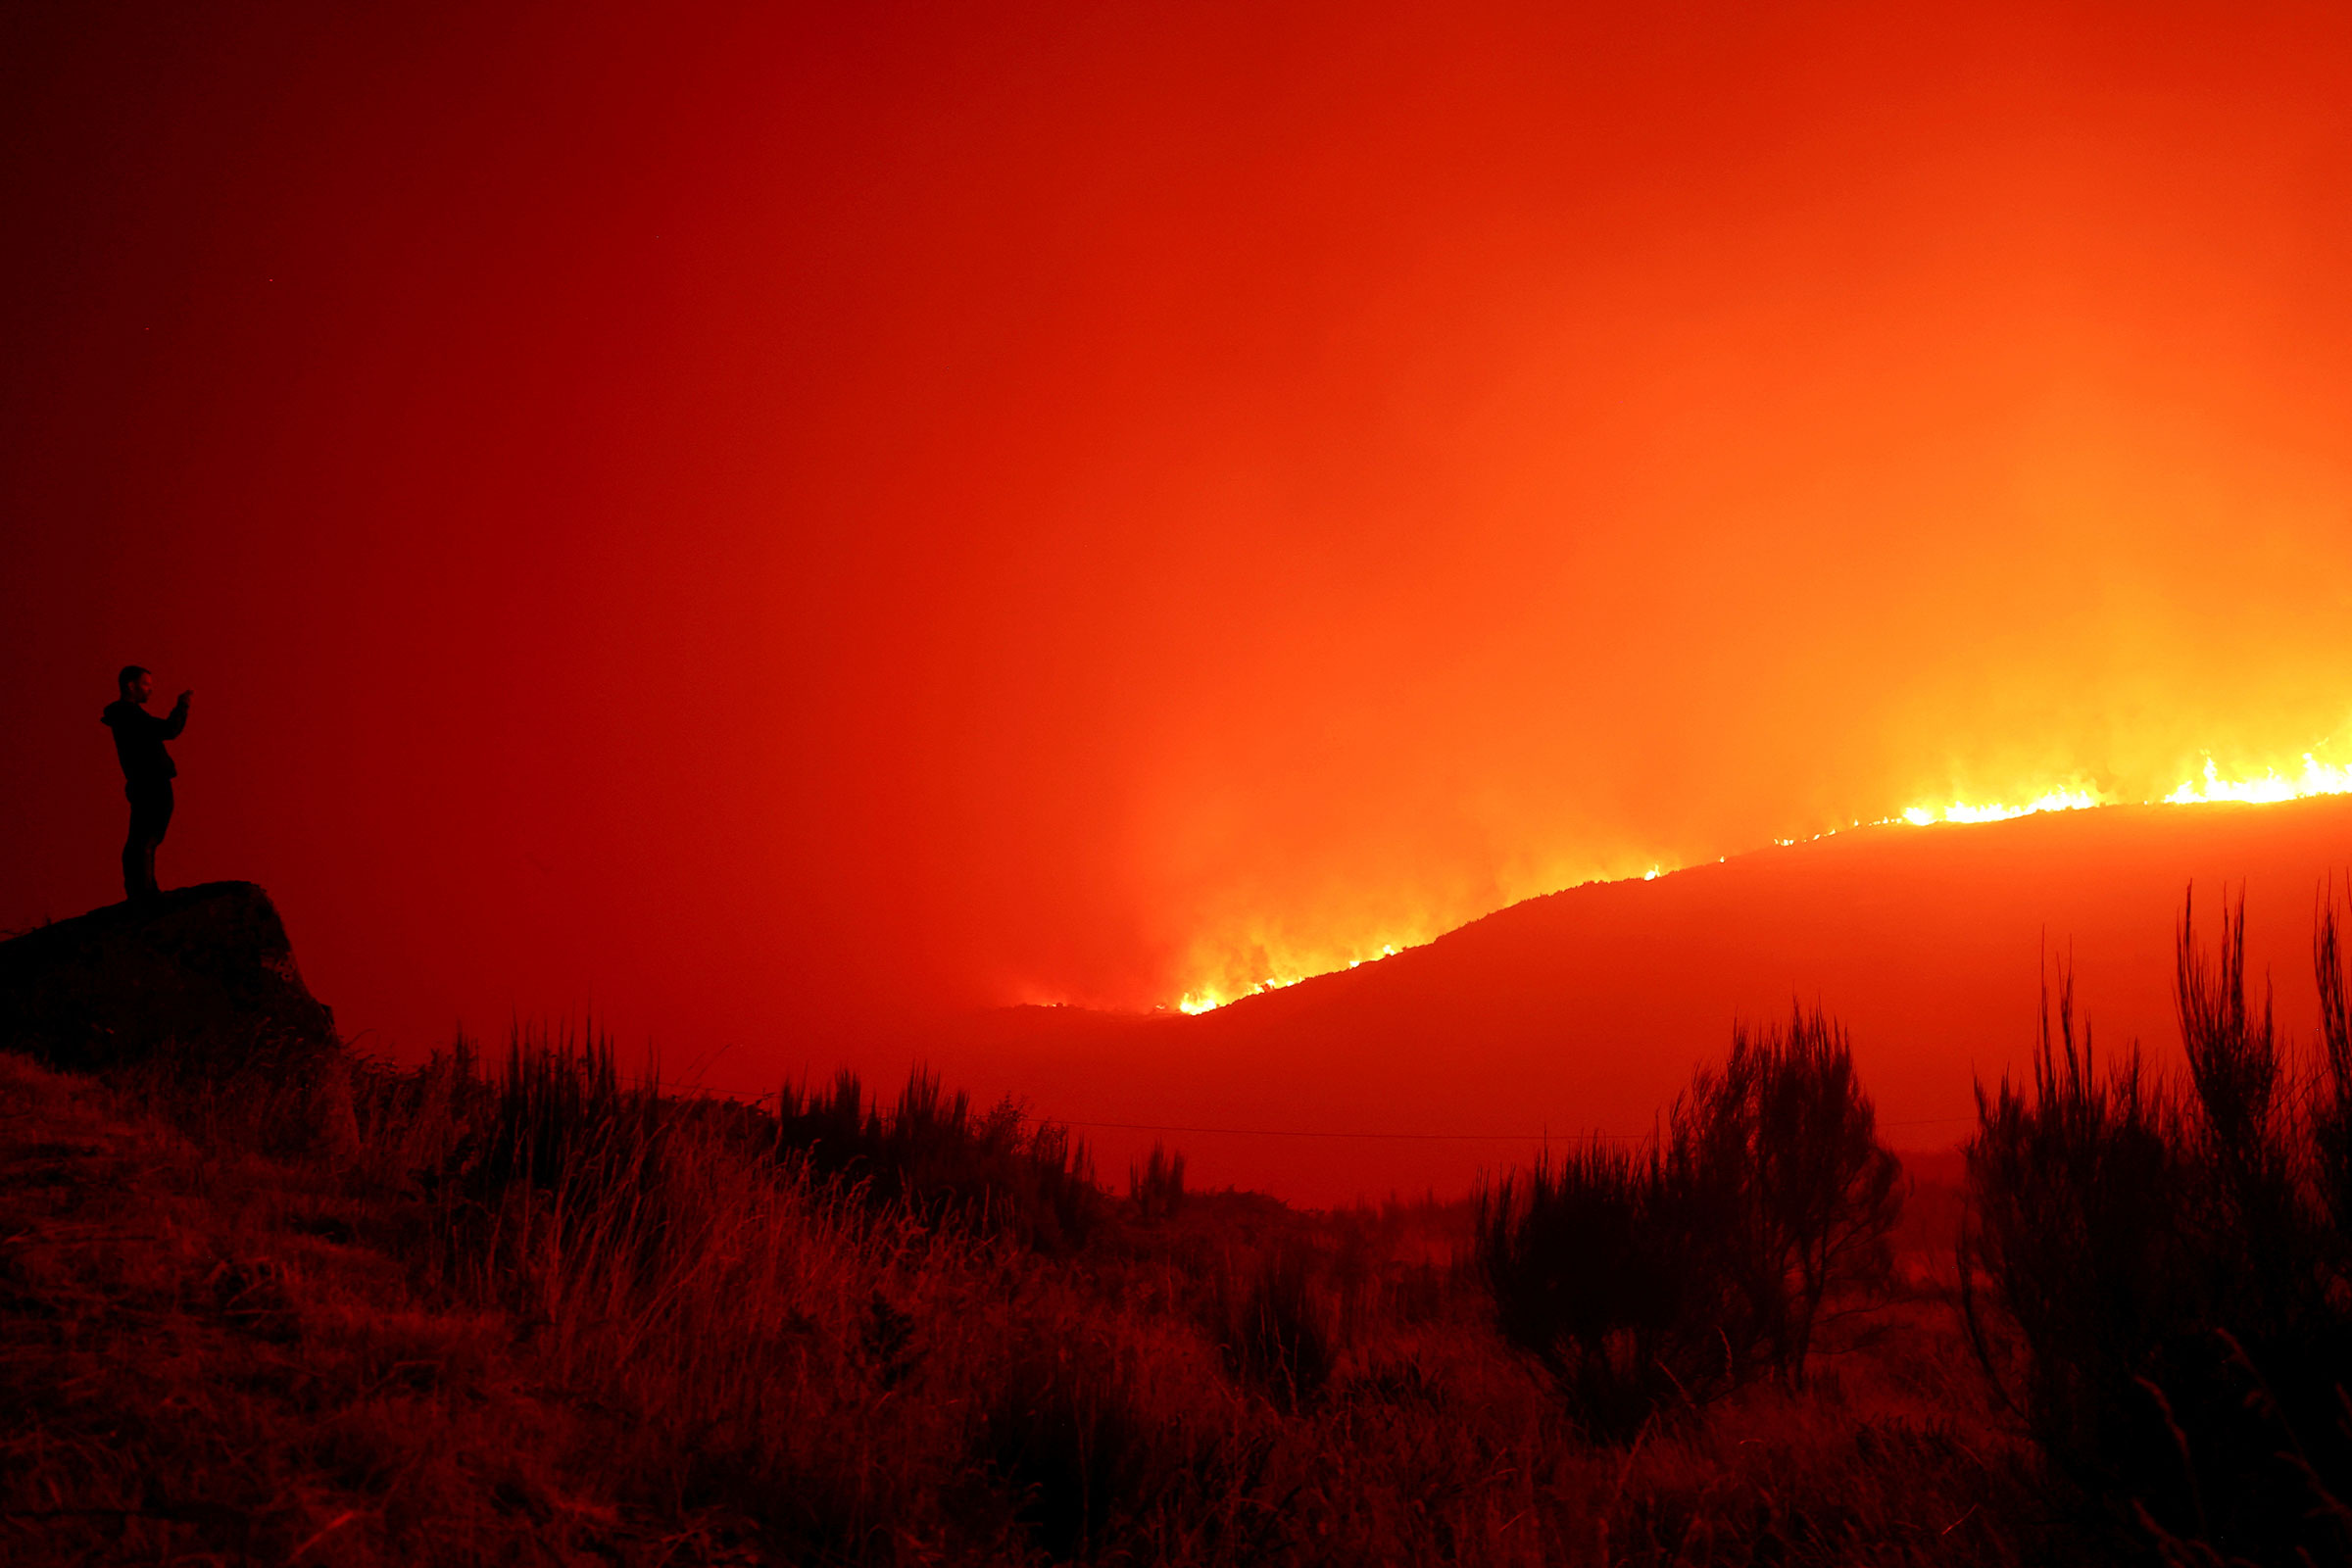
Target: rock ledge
<point>206,971</point>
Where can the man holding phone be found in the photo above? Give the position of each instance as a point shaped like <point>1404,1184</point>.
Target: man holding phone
<point>147,773</point>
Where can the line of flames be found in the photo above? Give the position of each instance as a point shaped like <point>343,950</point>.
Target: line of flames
<point>2316,778</point>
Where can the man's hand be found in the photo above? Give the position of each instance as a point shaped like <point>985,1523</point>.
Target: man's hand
<point>183,699</point>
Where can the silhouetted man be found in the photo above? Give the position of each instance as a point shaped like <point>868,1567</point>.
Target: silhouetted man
<point>147,773</point>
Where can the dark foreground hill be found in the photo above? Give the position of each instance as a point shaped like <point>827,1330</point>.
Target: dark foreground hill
<point>1586,1010</point>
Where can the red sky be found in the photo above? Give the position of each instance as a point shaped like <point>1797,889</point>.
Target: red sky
<point>768,522</point>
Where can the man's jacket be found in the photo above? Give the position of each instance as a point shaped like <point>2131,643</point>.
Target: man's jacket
<point>139,738</point>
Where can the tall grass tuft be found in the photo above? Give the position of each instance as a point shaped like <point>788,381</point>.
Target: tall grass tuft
<point>998,1172</point>
<point>1273,1324</point>
<point>561,1120</point>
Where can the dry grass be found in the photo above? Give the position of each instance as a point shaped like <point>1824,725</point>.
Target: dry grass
<point>212,1358</point>
<point>688,1345</point>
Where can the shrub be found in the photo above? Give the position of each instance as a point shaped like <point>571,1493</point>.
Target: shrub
<point>2172,1265</point>
<point>2073,1194</point>
<point>1790,1142</point>
<point>1157,1186</point>
<point>2332,1096</point>
<point>1605,1265</point>
<point>1676,1272</point>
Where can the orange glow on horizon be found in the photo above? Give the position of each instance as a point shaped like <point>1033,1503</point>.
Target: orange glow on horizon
<point>2270,786</point>
<point>795,527</point>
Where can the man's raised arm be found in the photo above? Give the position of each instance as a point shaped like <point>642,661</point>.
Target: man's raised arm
<point>179,717</point>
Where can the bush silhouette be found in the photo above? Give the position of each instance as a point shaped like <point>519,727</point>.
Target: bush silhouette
<point>2331,1097</point>
<point>2169,1263</point>
<point>560,1121</point>
<point>1155,1187</point>
<point>1676,1272</point>
<point>1790,1142</point>
<point>1605,1266</point>
<point>998,1172</point>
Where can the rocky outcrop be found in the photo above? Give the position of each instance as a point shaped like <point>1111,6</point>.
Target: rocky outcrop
<point>205,972</point>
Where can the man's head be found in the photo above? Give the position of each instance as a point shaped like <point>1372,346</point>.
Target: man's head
<point>134,683</point>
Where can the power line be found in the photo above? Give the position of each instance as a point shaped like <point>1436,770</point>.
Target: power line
<point>1302,1132</point>
<point>1452,1137</point>
<point>742,1098</point>
<point>1309,1132</point>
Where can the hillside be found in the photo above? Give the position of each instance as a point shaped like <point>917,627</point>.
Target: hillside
<point>261,1306</point>
<point>1586,1008</point>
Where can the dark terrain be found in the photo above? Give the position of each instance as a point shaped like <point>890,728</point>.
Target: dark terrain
<point>307,1308</point>
<point>265,1301</point>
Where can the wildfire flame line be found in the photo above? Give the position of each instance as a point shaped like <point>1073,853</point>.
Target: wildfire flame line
<point>1204,999</point>
<point>2316,779</point>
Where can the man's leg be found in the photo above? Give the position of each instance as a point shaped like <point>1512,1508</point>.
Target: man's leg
<point>161,808</point>
<point>134,855</point>
<point>150,817</point>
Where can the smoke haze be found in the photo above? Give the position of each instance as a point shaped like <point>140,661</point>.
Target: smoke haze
<point>762,524</point>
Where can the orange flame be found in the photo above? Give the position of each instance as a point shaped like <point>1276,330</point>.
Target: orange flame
<point>1208,998</point>
<point>2316,778</point>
